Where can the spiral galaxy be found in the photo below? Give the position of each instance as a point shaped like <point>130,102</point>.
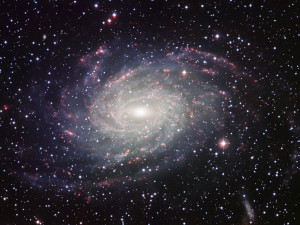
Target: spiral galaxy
<point>134,117</point>
<point>146,108</point>
<point>138,117</point>
<point>149,112</point>
<point>146,104</point>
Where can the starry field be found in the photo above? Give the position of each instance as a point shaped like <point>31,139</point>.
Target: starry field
<point>149,112</point>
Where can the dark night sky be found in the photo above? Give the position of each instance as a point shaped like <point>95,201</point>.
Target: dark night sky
<point>218,141</point>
